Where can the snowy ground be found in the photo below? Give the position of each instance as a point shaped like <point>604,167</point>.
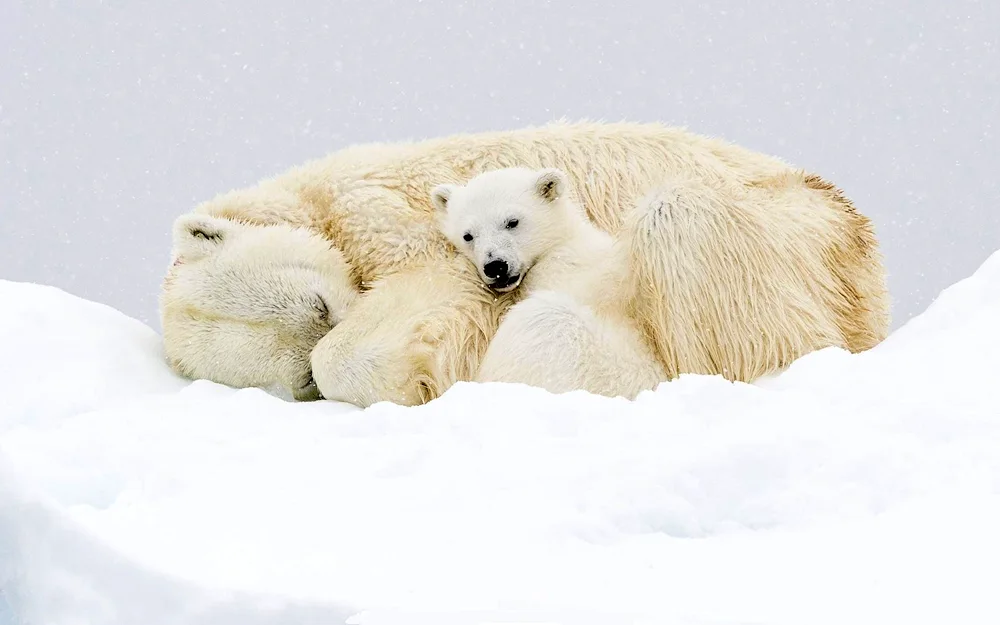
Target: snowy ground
<point>851,489</point>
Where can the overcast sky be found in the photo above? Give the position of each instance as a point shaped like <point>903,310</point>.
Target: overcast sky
<point>117,116</point>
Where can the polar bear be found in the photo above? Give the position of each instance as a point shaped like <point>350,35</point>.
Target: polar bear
<point>289,285</point>
<point>512,220</point>
<point>423,319</point>
<point>521,228</point>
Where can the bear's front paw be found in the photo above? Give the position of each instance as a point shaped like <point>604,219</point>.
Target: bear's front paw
<point>307,392</point>
<point>362,375</point>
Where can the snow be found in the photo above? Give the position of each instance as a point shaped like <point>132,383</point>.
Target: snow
<point>849,489</point>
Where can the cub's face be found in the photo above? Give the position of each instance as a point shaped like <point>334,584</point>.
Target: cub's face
<point>503,220</point>
<point>244,305</point>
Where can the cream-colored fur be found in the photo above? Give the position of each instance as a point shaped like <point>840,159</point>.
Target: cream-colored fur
<point>572,332</point>
<point>425,320</point>
<point>247,304</point>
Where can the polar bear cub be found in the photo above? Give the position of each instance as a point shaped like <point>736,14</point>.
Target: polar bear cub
<point>517,222</point>
<point>523,229</point>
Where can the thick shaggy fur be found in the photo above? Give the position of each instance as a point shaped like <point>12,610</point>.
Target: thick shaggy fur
<point>735,232</point>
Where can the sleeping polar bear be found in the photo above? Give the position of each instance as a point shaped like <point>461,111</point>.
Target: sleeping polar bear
<point>262,297</point>
<point>794,267</point>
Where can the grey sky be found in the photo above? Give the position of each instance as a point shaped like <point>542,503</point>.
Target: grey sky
<point>117,116</point>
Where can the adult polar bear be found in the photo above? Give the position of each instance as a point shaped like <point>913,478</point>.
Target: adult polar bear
<point>424,320</point>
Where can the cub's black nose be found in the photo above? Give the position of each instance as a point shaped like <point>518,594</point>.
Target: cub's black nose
<point>495,269</point>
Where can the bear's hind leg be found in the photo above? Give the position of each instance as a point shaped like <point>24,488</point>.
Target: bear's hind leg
<point>728,280</point>
<point>552,341</point>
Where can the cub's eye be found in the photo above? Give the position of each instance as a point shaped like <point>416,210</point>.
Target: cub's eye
<point>467,237</point>
<point>511,224</point>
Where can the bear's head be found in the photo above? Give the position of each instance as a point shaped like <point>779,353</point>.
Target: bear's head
<point>504,220</point>
<point>245,304</point>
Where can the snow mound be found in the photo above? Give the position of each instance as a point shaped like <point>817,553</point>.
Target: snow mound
<point>65,355</point>
<point>850,489</point>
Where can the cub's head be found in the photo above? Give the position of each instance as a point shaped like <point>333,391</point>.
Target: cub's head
<point>244,304</point>
<point>504,220</point>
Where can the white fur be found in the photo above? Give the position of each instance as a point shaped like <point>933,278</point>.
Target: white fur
<point>549,225</point>
<point>246,290</point>
<point>565,335</point>
<point>743,264</point>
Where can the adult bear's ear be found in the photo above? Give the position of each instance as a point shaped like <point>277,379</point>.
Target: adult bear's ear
<point>197,236</point>
<point>440,196</point>
<point>551,184</point>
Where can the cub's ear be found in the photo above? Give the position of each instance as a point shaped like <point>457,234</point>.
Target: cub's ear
<point>551,184</point>
<point>197,236</point>
<point>440,196</point>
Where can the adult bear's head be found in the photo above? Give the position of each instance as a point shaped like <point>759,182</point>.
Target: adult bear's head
<point>244,304</point>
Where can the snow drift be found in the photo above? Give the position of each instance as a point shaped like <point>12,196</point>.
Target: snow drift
<point>850,489</point>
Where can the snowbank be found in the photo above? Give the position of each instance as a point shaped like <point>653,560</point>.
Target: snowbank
<point>851,489</point>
